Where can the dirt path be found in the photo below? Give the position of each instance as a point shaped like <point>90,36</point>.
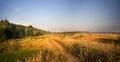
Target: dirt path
<point>70,58</point>
<point>51,43</point>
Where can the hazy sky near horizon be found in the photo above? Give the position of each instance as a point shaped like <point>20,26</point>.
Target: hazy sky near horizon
<point>64,15</point>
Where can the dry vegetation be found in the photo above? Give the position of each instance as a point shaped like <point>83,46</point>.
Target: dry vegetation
<point>75,47</point>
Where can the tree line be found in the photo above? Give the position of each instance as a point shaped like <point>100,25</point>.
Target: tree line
<point>9,30</point>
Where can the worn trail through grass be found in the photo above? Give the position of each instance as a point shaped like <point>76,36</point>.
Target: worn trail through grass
<point>62,49</point>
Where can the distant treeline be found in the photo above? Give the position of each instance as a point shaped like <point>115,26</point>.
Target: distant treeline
<point>71,32</point>
<point>9,30</point>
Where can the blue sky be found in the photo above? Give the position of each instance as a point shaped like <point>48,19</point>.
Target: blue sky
<point>64,15</point>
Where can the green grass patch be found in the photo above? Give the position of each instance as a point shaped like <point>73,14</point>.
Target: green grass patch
<point>18,55</point>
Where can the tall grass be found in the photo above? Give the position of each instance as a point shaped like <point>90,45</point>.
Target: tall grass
<point>83,50</point>
<point>63,48</point>
<point>20,55</point>
<point>50,56</point>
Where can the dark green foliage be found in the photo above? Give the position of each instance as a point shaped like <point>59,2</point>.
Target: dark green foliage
<point>10,30</point>
<point>2,36</point>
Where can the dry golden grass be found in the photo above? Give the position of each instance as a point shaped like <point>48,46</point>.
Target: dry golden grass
<point>77,47</point>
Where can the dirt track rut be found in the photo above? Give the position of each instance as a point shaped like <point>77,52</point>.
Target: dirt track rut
<point>70,58</point>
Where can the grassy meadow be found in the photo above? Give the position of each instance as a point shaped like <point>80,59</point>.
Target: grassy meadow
<point>70,47</point>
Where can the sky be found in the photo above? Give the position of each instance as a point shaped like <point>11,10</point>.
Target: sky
<point>64,15</point>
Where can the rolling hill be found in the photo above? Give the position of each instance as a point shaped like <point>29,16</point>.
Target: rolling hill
<point>9,30</point>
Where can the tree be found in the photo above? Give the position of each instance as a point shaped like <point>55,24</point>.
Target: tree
<point>30,26</point>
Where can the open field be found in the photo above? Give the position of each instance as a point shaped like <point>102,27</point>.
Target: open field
<point>72,47</point>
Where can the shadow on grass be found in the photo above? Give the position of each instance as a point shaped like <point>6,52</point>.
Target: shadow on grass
<point>110,41</point>
<point>9,46</point>
<point>79,37</point>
